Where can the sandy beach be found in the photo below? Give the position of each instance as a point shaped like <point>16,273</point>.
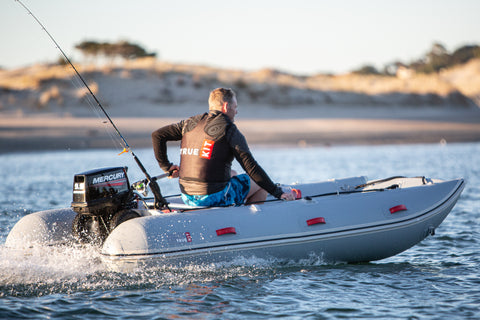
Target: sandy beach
<point>261,126</point>
<point>43,108</point>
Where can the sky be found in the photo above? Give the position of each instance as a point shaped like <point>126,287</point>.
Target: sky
<point>297,36</point>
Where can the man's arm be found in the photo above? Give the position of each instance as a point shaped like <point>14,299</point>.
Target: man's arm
<point>249,164</point>
<point>160,137</point>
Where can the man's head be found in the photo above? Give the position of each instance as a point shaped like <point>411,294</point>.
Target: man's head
<point>224,100</point>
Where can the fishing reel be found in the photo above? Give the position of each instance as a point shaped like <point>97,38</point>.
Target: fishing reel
<point>141,187</point>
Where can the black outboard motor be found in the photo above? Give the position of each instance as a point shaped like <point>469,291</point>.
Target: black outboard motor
<point>102,199</point>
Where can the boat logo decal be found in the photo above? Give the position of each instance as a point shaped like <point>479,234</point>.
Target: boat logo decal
<point>188,238</point>
<point>114,176</point>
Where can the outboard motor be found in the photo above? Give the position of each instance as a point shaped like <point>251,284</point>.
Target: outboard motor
<point>102,199</point>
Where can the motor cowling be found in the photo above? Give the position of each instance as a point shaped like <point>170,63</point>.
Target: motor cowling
<point>100,191</point>
<point>102,199</point>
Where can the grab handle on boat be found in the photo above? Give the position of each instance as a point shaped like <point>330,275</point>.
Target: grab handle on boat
<point>317,220</point>
<point>400,207</point>
<point>297,193</point>
<point>229,230</point>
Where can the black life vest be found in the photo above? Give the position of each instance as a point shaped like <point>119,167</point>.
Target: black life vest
<point>205,154</point>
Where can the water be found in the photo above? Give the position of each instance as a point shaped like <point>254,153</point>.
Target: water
<point>437,279</point>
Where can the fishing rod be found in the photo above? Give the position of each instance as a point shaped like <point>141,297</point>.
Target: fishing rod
<point>160,201</point>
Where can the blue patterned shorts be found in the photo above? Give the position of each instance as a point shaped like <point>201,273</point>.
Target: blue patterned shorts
<point>233,194</point>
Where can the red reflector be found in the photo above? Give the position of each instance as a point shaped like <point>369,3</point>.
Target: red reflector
<point>316,221</point>
<point>226,231</point>
<point>297,193</point>
<point>400,207</point>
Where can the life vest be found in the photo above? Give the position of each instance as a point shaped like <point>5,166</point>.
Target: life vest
<point>205,155</point>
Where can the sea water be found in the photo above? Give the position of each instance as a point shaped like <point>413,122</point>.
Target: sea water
<point>437,279</point>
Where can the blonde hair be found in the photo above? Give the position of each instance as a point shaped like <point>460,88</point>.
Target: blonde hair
<point>219,96</point>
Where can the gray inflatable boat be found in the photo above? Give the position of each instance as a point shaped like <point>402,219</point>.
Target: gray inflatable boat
<point>341,220</point>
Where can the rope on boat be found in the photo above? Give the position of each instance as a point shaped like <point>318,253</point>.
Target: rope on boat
<point>308,198</point>
<point>378,181</point>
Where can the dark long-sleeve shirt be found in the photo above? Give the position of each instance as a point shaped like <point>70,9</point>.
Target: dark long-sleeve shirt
<point>238,147</point>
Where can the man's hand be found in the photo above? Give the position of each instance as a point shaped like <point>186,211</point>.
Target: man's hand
<point>289,196</point>
<point>174,169</point>
<point>292,194</point>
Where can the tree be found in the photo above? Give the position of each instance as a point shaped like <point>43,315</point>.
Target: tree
<point>390,69</point>
<point>89,48</point>
<point>129,51</point>
<point>437,50</point>
<point>438,58</point>
<point>465,53</point>
<point>123,49</point>
<point>367,69</point>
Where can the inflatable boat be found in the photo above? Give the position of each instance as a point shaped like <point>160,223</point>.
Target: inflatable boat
<point>341,220</point>
<point>350,220</point>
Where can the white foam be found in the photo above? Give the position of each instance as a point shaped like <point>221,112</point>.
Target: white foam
<point>47,264</point>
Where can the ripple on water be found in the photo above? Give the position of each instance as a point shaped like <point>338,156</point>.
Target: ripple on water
<point>439,278</point>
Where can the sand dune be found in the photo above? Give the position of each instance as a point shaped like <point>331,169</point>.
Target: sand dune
<point>45,107</point>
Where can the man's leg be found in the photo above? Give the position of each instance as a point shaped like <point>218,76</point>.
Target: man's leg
<point>256,193</point>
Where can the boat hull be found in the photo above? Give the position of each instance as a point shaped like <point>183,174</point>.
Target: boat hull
<point>49,227</point>
<point>345,220</point>
<point>357,227</point>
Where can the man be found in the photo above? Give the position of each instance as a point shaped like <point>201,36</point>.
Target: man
<point>209,143</point>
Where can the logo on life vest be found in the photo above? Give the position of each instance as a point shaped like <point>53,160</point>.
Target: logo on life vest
<point>207,147</point>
